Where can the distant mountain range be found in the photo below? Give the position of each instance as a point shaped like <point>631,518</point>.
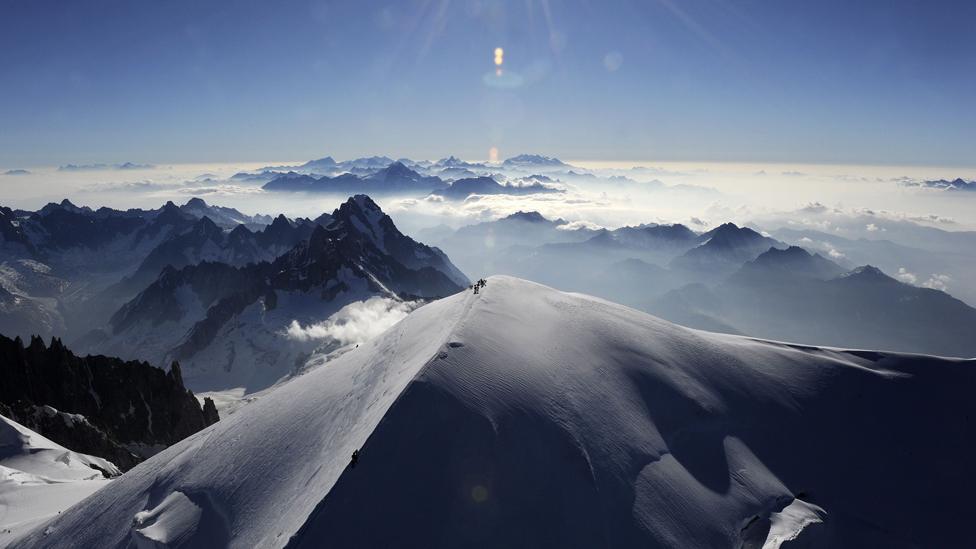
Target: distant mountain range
<point>791,295</point>
<point>463,188</point>
<point>729,279</point>
<point>723,249</point>
<point>394,178</point>
<point>227,324</point>
<point>455,181</point>
<point>60,266</point>
<point>218,290</point>
<point>180,282</point>
<point>329,166</point>
<point>94,167</point>
<point>205,241</point>
<point>957,184</point>
<point>534,161</point>
<point>450,178</point>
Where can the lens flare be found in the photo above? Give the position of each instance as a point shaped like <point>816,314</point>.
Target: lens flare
<point>479,494</point>
<point>499,56</point>
<point>493,154</point>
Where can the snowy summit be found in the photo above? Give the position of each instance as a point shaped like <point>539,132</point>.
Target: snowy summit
<point>526,417</point>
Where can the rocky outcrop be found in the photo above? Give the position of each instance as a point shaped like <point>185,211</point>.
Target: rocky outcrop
<point>123,411</point>
<point>72,431</point>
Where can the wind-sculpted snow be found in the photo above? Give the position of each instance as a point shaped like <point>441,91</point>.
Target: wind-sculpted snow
<point>267,466</point>
<point>39,478</point>
<point>526,417</point>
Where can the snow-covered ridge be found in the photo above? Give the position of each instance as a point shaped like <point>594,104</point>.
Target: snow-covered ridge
<point>46,461</point>
<point>39,478</point>
<point>523,416</point>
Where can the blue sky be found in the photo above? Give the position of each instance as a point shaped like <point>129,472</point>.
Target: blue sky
<point>886,81</point>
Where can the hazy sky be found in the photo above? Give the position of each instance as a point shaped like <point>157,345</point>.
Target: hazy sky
<point>844,81</point>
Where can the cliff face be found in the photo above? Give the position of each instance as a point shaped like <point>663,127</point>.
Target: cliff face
<point>123,411</point>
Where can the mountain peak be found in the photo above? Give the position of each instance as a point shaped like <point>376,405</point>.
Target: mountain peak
<point>730,234</point>
<point>364,202</point>
<point>195,203</point>
<point>791,251</point>
<point>240,231</point>
<point>323,219</point>
<point>361,214</point>
<point>531,217</point>
<point>65,205</point>
<point>397,169</point>
<point>206,226</point>
<point>534,160</point>
<point>867,272</point>
<point>170,213</point>
<point>450,161</point>
<point>726,227</point>
<point>794,260</point>
<point>325,161</point>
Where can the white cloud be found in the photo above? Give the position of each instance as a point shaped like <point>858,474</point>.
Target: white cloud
<point>938,282</point>
<point>222,190</point>
<point>574,225</point>
<point>822,246</point>
<point>355,323</point>
<point>835,254</point>
<point>905,276</point>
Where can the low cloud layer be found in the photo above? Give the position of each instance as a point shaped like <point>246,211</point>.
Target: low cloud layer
<point>355,323</point>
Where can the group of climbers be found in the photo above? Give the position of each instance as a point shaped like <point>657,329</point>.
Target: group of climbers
<point>480,283</point>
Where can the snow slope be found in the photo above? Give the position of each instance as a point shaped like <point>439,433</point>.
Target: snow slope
<point>527,417</point>
<point>39,478</point>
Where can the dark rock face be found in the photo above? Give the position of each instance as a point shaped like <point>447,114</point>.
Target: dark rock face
<point>204,240</point>
<point>12,235</point>
<point>122,411</point>
<point>66,226</point>
<point>361,215</point>
<point>73,431</point>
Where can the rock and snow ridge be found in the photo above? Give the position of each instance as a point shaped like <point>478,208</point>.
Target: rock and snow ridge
<point>228,325</point>
<point>527,417</point>
<point>40,478</point>
<point>122,411</point>
<point>88,252</point>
